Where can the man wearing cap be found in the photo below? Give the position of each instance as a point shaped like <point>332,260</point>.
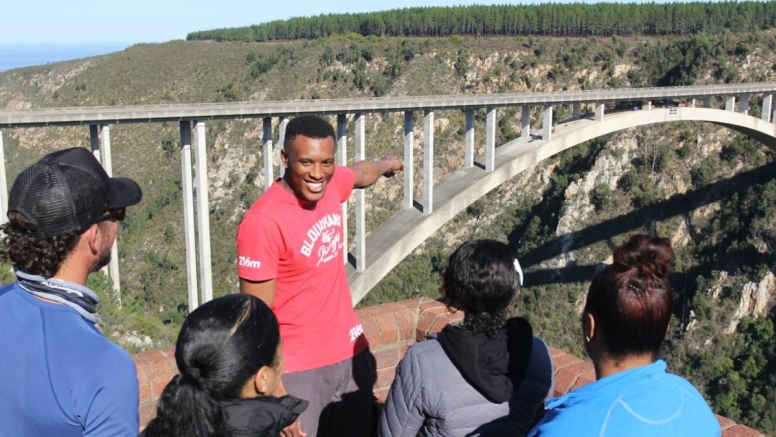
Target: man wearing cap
<point>59,376</point>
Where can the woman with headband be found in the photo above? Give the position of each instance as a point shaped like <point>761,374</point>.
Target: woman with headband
<point>485,376</point>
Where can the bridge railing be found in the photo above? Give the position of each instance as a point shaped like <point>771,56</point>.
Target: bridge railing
<point>192,121</point>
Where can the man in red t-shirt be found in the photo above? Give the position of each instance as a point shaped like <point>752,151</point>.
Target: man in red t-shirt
<point>290,254</point>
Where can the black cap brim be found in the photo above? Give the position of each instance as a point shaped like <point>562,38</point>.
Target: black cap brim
<point>126,192</point>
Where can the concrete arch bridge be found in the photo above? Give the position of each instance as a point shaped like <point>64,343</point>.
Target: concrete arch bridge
<point>380,251</point>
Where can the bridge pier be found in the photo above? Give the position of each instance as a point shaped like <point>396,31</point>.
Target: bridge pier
<point>707,102</point>
<point>428,163</point>
<point>469,150</point>
<point>360,249</point>
<point>767,107</point>
<point>3,184</point>
<point>599,112</point>
<point>99,141</point>
<point>203,211</point>
<point>281,143</point>
<point>576,112</point>
<point>342,159</point>
<point>409,167</point>
<point>743,105</point>
<point>730,104</point>
<point>547,126</point>
<point>490,140</point>
<point>188,214</point>
<point>267,140</point>
<point>525,123</point>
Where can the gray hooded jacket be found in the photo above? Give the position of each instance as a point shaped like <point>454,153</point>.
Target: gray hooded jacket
<point>460,384</point>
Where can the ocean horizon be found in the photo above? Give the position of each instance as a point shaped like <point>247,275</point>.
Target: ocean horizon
<point>26,54</point>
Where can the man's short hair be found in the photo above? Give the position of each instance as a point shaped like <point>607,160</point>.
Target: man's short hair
<point>310,126</point>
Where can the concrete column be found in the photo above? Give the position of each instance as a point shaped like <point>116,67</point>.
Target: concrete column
<point>743,105</point>
<point>409,167</point>
<point>767,107</point>
<point>342,159</point>
<point>576,111</point>
<point>360,249</point>
<point>730,104</point>
<point>525,123</point>
<point>188,214</point>
<point>490,140</point>
<point>99,142</point>
<point>428,163</point>
<point>203,211</point>
<point>267,139</point>
<point>692,103</point>
<point>107,164</point>
<point>469,150</point>
<point>547,123</point>
<point>646,106</point>
<point>281,142</point>
<point>707,102</point>
<point>94,141</point>
<point>599,112</point>
<point>3,184</point>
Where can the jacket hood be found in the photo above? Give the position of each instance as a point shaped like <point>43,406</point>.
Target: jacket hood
<point>261,416</point>
<point>493,366</point>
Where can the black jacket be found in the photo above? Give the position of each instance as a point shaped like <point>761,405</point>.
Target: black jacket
<point>264,416</point>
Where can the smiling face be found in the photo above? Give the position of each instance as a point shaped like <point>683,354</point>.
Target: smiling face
<point>309,164</point>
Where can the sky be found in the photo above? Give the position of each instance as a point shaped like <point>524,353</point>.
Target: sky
<point>135,21</point>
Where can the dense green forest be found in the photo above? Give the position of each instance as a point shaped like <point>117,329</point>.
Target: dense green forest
<point>711,190</point>
<point>548,19</point>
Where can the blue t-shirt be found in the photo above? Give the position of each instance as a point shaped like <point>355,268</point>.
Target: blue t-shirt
<point>59,376</point>
<point>645,401</point>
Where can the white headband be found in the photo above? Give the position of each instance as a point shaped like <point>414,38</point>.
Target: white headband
<point>519,271</point>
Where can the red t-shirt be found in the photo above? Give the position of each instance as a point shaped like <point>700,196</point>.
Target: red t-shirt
<point>302,249</point>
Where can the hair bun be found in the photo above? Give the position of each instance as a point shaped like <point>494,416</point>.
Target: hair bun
<point>651,256</point>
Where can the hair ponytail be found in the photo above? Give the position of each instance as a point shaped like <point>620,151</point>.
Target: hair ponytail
<point>186,409</point>
<point>221,347</point>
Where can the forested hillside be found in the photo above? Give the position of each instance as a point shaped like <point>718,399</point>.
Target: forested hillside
<point>712,191</point>
<point>547,19</point>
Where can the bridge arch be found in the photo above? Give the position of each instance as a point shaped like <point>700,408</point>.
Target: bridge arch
<point>403,232</point>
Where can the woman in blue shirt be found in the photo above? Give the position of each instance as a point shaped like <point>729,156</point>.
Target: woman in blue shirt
<point>624,323</point>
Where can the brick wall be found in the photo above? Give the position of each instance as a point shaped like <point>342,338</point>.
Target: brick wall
<point>391,328</point>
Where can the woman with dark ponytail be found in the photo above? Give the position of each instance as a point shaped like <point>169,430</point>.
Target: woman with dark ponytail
<point>624,323</point>
<point>487,376</point>
<point>230,361</point>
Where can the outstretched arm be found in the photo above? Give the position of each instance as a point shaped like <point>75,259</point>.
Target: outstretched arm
<point>368,172</point>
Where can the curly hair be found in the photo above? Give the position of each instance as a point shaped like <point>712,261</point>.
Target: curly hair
<point>481,280</point>
<point>30,253</point>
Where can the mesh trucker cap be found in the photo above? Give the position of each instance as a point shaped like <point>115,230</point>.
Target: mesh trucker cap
<point>67,191</point>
